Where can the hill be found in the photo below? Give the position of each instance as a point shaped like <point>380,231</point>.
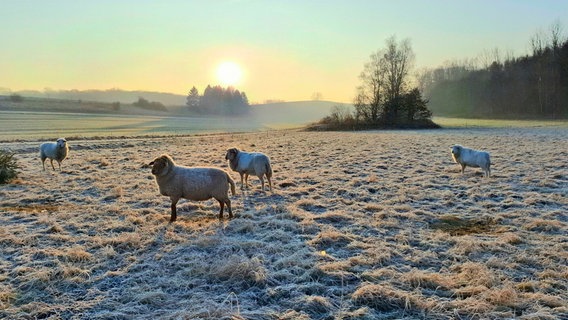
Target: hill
<point>107,96</point>
<point>299,112</point>
<point>282,113</point>
<point>34,118</point>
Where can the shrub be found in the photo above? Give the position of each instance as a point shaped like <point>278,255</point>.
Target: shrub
<point>8,166</point>
<point>149,105</point>
<point>16,98</point>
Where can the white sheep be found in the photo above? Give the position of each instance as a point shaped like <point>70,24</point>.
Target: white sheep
<point>246,163</point>
<point>54,151</point>
<point>473,158</point>
<point>195,183</point>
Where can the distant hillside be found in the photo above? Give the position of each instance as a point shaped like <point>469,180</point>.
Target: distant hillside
<point>275,115</point>
<point>108,96</point>
<point>293,113</point>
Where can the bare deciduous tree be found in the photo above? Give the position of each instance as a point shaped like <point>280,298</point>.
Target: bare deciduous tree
<point>370,95</point>
<point>384,79</point>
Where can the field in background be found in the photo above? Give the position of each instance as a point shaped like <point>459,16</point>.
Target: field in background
<point>51,125</point>
<point>34,119</point>
<point>361,225</point>
<point>497,123</point>
<point>47,125</point>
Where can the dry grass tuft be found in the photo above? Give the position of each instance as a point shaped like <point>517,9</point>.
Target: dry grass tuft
<point>388,298</point>
<point>247,272</point>
<point>474,274</point>
<point>430,280</point>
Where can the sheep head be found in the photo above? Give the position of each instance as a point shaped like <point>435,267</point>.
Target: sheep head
<point>231,154</point>
<point>456,150</point>
<point>61,142</point>
<point>162,165</point>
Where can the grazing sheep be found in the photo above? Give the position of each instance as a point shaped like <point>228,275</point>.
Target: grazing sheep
<point>197,183</point>
<point>54,151</point>
<point>473,158</point>
<point>246,163</point>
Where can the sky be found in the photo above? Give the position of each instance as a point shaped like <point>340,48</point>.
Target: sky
<point>287,50</point>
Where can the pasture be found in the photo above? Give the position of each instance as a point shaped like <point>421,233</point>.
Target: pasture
<point>363,225</point>
<point>39,125</point>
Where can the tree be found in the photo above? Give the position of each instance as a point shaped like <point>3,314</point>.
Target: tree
<point>193,99</point>
<point>16,98</point>
<point>399,60</point>
<point>370,94</point>
<point>384,98</point>
<point>219,100</point>
<point>149,105</point>
<point>414,106</point>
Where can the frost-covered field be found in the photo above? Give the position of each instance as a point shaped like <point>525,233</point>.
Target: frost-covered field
<point>367,225</point>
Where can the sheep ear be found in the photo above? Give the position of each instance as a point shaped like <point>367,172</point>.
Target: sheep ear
<point>151,163</point>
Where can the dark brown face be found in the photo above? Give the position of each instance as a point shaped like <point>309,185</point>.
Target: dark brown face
<point>158,165</point>
<point>231,154</point>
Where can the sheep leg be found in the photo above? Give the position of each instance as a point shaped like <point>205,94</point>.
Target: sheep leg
<point>242,185</point>
<point>173,216</point>
<point>59,163</point>
<point>52,164</point>
<point>43,164</point>
<point>222,204</point>
<point>228,202</point>
<point>247,180</point>
<point>262,182</point>
<point>463,168</point>
<point>269,182</point>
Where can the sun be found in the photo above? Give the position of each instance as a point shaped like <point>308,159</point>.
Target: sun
<point>229,73</point>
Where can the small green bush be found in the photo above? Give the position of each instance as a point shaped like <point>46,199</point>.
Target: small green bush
<point>8,166</point>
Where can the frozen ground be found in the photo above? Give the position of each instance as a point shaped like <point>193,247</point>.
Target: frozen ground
<point>366,225</point>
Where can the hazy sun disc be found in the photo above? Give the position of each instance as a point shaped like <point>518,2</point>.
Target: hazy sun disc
<point>229,73</point>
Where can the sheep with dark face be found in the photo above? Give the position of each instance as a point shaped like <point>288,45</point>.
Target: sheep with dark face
<point>192,183</point>
<point>54,151</point>
<point>473,158</point>
<point>247,163</point>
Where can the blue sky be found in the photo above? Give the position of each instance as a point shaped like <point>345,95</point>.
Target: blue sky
<point>287,49</point>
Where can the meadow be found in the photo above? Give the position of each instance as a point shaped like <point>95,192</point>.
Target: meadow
<point>51,125</point>
<point>360,225</point>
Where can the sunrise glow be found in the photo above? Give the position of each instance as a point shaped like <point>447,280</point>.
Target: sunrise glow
<point>229,73</point>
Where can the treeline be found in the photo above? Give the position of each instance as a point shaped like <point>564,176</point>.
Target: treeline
<point>534,85</point>
<point>218,101</point>
<point>108,96</point>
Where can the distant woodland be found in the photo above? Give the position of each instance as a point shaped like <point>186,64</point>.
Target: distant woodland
<point>531,86</point>
<point>108,96</point>
<point>218,101</point>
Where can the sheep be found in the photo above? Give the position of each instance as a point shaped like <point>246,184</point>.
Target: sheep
<point>246,163</point>
<point>192,183</point>
<point>473,158</point>
<point>54,151</point>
